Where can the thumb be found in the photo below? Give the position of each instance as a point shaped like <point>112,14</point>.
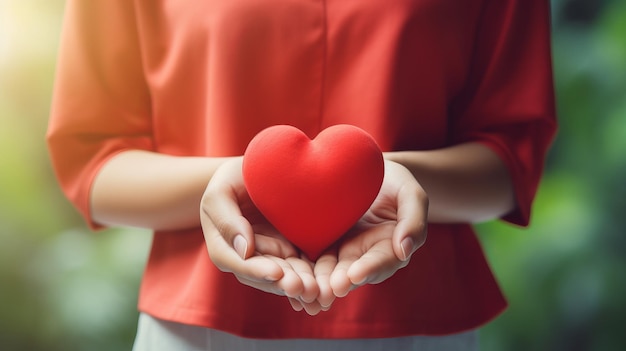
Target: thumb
<point>230,243</point>
<point>411,230</point>
<point>225,228</point>
<point>221,217</point>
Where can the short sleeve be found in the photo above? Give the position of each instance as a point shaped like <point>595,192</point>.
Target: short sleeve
<point>101,103</point>
<point>508,103</point>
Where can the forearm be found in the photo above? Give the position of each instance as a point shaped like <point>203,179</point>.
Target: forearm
<point>464,183</point>
<point>150,190</point>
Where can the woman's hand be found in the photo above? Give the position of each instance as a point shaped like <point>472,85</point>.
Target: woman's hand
<point>241,241</point>
<point>383,240</point>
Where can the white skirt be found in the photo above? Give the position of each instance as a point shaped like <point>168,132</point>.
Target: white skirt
<point>158,335</point>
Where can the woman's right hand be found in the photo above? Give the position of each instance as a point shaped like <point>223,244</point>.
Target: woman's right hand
<point>241,241</point>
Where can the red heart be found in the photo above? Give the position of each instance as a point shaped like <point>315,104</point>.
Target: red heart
<point>313,191</point>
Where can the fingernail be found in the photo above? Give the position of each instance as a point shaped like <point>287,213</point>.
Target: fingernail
<point>241,246</point>
<point>359,283</point>
<point>407,245</point>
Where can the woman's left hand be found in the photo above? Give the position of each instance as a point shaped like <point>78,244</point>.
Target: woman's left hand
<point>382,241</point>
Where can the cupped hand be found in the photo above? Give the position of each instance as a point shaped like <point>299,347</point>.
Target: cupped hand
<point>383,240</point>
<point>241,241</point>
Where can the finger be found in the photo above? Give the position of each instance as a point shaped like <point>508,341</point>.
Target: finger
<point>223,254</point>
<point>290,283</point>
<point>295,304</point>
<point>375,266</point>
<point>228,234</point>
<point>339,281</point>
<point>322,270</point>
<point>255,279</point>
<point>304,269</point>
<point>220,210</point>
<point>412,216</point>
<point>268,287</point>
<point>312,308</point>
<point>276,246</point>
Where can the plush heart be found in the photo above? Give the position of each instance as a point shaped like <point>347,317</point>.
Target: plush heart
<point>313,191</point>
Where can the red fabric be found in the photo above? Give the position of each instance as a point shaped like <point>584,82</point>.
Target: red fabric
<point>203,77</point>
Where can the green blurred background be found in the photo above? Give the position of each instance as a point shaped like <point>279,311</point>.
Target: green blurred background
<point>64,288</point>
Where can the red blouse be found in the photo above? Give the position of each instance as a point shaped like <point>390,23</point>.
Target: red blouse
<point>203,77</point>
